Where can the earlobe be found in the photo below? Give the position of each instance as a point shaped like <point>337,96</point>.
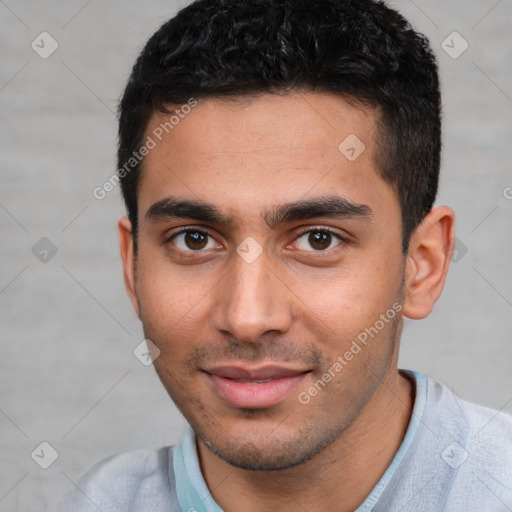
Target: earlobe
<point>128,260</point>
<point>428,260</point>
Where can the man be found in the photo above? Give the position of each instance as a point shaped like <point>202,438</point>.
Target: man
<point>279,162</point>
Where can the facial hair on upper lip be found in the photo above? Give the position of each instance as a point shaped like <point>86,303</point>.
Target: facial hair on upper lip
<point>275,351</point>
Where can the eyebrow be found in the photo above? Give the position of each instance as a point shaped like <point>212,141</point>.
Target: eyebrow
<point>304,209</point>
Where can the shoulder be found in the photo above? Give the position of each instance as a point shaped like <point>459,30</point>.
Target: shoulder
<point>488,437</point>
<point>477,445</point>
<point>136,480</point>
<point>479,426</point>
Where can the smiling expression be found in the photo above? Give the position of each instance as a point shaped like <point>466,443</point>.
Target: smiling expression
<point>263,252</point>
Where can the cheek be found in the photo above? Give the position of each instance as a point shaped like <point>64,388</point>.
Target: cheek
<point>171,301</point>
<point>350,300</point>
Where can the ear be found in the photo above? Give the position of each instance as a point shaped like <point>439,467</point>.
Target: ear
<point>428,258</point>
<point>128,259</point>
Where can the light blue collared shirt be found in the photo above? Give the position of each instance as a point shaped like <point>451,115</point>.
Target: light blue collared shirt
<point>456,456</point>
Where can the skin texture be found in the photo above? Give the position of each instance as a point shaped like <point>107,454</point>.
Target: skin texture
<point>297,305</point>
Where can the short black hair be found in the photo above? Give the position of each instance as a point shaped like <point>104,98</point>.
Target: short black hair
<point>360,49</point>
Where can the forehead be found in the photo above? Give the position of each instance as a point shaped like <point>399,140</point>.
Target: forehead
<point>244,155</point>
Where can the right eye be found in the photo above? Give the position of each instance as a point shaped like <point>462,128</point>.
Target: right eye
<point>191,240</point>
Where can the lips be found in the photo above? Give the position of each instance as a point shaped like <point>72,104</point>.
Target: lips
<point>254,388</point>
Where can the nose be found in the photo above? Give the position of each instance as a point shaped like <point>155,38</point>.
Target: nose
<point>251,301</point>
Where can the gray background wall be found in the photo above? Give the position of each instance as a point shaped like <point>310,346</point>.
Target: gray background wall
<point>68,374</point>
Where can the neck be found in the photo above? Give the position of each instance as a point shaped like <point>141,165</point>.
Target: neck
<point>340,477</point>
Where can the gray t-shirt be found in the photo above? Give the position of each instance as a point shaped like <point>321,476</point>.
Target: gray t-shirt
<point>456,456</point>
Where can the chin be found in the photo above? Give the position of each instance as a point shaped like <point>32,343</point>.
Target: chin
<point>255,458</point>
<point>267,454</point>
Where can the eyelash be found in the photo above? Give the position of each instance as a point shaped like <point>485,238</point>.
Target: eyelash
<point>343,240</point>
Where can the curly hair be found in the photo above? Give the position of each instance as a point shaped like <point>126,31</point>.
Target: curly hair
<point>362,50</point>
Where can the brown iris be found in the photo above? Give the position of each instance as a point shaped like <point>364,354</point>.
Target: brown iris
<point>195,239</point>
<point>319,239</point>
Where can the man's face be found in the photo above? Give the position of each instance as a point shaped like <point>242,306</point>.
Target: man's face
<point>254,306</point>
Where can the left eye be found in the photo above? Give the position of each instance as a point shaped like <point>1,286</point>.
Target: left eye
<point>319,239</point>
